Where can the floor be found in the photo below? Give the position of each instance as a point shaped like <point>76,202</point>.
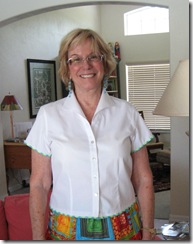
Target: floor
<point>162,205</point>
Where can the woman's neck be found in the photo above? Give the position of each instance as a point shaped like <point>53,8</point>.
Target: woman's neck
<point>88,102</point>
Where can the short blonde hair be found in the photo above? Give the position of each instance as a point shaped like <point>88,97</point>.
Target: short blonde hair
<point>75,37</point>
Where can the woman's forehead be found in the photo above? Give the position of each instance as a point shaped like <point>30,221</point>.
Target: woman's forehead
<point>80,42</point>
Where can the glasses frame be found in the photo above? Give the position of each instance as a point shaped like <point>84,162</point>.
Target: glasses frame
<point>87,59</point>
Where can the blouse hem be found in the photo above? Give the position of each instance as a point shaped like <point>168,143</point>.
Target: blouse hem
<point>90,217</point>
<point>44,154</point>
<point>142,145</point>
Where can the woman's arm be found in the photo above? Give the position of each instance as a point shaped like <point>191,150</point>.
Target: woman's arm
<point>143,184</point>
<point>40,183</point>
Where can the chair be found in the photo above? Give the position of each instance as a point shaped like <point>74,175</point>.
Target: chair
<point>153,145</point>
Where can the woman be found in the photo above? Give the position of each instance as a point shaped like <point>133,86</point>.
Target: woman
<point>91,148</point>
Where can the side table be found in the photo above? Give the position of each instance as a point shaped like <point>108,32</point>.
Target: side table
<point>17,156</point>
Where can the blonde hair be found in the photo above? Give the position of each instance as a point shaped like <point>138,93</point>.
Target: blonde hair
<point>75,37</point>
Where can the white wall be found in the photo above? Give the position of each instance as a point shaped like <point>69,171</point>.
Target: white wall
<point>180,174</point>
<point>3,185</point>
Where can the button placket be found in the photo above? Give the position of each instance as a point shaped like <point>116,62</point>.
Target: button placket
<point>94,161</point>
<point>94,170</point>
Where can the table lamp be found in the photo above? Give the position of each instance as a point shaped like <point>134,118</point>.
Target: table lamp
<point>10,103</point>
<point>175,99</point>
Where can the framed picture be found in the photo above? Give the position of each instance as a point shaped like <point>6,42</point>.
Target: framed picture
<point>64,90</point>
<point>41,83</point>
<point>111,85</point>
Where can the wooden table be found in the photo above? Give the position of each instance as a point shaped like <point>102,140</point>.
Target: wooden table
<point>17,155</point>
<point>155,145</point>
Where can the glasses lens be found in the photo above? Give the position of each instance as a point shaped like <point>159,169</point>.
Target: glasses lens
<point>93,58</point>
<point>74,60</point>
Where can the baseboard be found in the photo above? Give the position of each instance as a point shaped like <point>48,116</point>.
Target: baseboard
<point>178,218</point>
<point>15,187</point>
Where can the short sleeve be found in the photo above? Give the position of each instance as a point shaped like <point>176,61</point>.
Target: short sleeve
<point>141,134</point>
<point>38,138</point>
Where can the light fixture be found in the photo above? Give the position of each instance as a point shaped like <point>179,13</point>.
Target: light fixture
<point>10,103</point>
<point>175,99</point>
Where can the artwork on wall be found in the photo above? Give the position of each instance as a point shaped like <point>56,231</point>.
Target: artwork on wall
<point>111,85</point>
<point>115,49</point>
<point>41,83</point>
<point>64,90</point>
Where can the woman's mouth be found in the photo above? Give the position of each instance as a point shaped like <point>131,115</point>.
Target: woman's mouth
<point>87,76</point>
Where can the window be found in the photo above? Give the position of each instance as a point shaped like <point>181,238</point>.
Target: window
<point>146,20</point>
<point>145,86</point>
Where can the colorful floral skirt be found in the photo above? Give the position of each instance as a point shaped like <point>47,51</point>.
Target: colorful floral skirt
<point>124,226</point>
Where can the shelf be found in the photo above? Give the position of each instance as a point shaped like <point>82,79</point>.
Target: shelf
<point>113,87</point>
<point>112,91</point>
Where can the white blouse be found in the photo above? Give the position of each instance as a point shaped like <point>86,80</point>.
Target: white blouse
<point>91,163</point>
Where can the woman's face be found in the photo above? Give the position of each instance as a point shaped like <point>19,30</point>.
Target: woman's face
<point>86,75</point>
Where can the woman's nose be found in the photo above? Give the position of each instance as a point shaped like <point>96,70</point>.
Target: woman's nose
<point>86,62</point>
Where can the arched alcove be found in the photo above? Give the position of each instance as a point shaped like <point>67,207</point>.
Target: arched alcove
<point>30,9</point>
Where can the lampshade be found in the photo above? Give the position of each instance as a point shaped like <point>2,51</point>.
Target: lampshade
<point>175,99</point>
<point>10,103</point>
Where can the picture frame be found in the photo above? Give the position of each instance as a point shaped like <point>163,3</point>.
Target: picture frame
<point>65,91</point>
<point>41,83</point>
<point>111,85</point>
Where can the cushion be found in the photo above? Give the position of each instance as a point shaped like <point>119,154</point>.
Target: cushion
<point>18,217</point>
<point>3,223</point>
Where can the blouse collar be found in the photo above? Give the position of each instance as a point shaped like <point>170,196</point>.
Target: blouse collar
<point>71,103</point>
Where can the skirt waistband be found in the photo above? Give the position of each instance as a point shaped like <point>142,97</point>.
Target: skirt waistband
<point>125,226</point>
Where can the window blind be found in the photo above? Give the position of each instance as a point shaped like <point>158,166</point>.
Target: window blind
<point>145,86</point>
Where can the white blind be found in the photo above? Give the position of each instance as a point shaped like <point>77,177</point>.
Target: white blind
<point>145,86</point>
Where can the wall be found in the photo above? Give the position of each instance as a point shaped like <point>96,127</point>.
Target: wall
<point>180,168</point>
<point>3,185</point>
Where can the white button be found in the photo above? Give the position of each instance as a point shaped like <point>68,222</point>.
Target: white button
<point>96,194</point>
<point>93,158</point>
<point>92,142</point>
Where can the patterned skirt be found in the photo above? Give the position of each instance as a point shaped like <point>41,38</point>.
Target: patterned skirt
<point>124,226</point>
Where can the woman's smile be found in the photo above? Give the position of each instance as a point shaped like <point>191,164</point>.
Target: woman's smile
<point>86,76</point>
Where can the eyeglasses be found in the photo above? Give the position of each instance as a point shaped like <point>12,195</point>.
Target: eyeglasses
<point>92,58</point>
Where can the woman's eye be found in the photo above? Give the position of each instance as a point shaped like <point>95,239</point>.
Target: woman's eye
<point>76,60</point>
<point>93,57</point>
